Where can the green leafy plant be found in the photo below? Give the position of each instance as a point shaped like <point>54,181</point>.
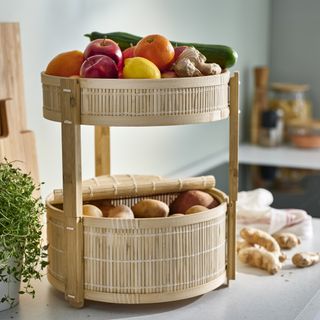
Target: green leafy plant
<point>22,255</point>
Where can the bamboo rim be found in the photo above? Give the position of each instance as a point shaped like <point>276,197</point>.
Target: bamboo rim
<point>147,297</point>
<point>114,223</point>
<point>184,82</point>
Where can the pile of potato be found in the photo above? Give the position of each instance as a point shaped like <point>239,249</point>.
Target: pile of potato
<point>187,202</point>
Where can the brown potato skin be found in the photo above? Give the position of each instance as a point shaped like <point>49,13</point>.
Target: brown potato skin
<point>150,208</point>
<point>196,209</point>
<point>106,209</point>
<point>90,210</point>
<point>192,198</point>
<point>103,205</point>
<point>176,215</point>
<point>121,212</point>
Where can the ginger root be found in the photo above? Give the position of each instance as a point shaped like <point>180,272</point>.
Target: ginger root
<point>287,240</point>
<point>242,244</point>
<point>260,258</point>
<point>192,63</point>
<point>305,259</point>
<point>259,237</point>
<point>261,250</point>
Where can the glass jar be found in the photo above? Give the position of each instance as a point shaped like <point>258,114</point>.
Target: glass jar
<point>305,134</point>
<point>271,131</point>
<point>290,98</point>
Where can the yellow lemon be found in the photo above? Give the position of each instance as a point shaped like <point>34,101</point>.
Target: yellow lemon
<point>140,68</point>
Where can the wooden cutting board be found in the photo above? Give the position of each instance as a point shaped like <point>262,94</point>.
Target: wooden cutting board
<point>17,143</point>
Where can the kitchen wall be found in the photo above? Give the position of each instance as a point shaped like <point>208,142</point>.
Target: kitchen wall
<point>50,27</point>
<point>295,45</point>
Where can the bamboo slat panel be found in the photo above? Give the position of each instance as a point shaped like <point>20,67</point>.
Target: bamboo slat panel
<point>119,186</point>
<point>56,239</point>
<point>145,260</point>
<point>51,98</point>
<point>143,102</point>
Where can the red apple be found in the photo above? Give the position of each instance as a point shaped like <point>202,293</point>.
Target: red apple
<point>106,47</point>
<point>99,66</point>
<point>177,52</point>
<point>128,53</point>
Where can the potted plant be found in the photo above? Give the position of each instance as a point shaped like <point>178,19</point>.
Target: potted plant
<point>22,256</point>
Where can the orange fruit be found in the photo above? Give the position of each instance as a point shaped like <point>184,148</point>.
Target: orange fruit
<point>156,48</point>
<point>66,64</point>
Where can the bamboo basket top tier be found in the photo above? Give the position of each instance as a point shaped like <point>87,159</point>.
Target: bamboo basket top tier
<point>138,102</point>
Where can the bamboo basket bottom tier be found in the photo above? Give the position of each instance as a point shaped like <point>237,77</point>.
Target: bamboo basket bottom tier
<point>144,260</point>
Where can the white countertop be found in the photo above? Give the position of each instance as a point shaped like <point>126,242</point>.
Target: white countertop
<point>291,294</point>
<point>282,156</point>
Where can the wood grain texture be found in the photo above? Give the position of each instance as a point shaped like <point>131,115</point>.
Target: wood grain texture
<point>71,164</point>
<point>233,172</point>
<point>16,142</point>
<point>102,150</point>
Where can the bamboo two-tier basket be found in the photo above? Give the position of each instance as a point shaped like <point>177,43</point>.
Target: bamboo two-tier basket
<point>140,260</point>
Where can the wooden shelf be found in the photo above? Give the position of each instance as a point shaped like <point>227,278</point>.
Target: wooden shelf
<point>282,156</point>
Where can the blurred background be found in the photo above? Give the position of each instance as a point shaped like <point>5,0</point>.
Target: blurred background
<point>279,34</point>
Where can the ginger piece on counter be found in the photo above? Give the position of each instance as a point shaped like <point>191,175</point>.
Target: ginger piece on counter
<point>260,258</point>
<point>305,259</point>
<point>259,237</point>
<point>286,240</point>
<point>261,250</point>
<point>192,63</point>
<point>241,244</point>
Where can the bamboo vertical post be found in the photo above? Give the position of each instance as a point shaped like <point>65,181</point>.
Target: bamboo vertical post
<point>233,173</point>
<point>72,191</point>
<point>102,150</point>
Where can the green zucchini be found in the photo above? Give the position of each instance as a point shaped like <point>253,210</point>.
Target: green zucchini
<point>225,56</point>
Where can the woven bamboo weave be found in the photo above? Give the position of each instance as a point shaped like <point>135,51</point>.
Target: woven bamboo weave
<point>145,260</point>
<point>117,186</point>
<point>143,102</point>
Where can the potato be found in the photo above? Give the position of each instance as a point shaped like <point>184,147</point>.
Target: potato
<point>106,209</point>
<point>121,212</point>
<point>150,208</point>
<point>176,215</point>
<point>103,205</point>
<point>196,209</point>
<point>91,211</point>
<point>192,198</point>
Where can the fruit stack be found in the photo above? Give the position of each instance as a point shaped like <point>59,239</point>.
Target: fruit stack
<point>152,57</point>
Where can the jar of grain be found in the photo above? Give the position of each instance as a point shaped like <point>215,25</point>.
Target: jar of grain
<point>291,99</point>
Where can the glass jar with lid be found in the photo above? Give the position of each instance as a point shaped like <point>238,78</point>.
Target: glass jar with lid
<point>291,99</point>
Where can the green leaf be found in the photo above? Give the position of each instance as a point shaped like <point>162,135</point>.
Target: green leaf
<point>20,228</point>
